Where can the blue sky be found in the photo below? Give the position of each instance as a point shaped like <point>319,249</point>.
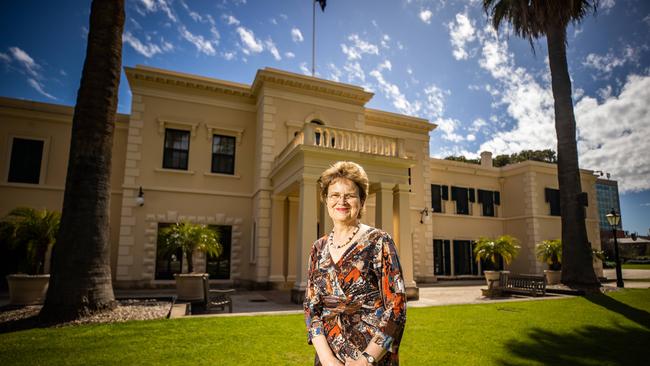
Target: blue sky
<point>438,60</point>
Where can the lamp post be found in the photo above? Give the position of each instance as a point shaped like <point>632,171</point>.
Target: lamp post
<point>613,218</point>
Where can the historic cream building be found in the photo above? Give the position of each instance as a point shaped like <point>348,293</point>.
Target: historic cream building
<point>245,160</point>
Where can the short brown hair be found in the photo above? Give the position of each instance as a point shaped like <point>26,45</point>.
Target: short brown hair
<point>344,169</point>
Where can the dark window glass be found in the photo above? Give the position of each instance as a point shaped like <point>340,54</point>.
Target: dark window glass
<point>552,196</point>
<point>464,258</point>
<point>436,198</point>
<point>219,268</point>
<point>177,149</point>
<point>486,199</point>
<point>445,193</point>
<point>167,264</point>
<point>223,154</point>
<point>461,196</point>
<point>25,163</point>
<point>442,257</point>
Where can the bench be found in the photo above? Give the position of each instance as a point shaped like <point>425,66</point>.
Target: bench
<point>216,299</point>
<point>523,284</point>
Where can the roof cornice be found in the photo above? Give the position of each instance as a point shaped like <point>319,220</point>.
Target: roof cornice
<point>137,75</point>
<point>310,85</point>
<point>375,117</point>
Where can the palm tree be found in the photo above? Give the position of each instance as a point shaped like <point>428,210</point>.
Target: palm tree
<point>189,238</point>
<point>34,232</point>
<point>490,250</point>
<point>533,19</point>
<point>550,252</point>
<point>80,280</point>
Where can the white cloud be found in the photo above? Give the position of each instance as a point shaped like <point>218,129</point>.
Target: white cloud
<point>355,72</point>
<point>613,135</point>
<point>461,32</point>
<point>289,55</point>
<point>477,124</point>
<point>435,101</point>
<point>393,93</point>
<point>296,35</point>
<point>5,58</point>
<point>231,20</point>
<point>336,73</point>
<point>448,126</point>
<point>470,137</point>
<point>152,6</point>
<point>386,65</point>
<point>250,43</point>
<point>202,45</point>
<point>229,55</point>
<point>425,15</point>
<point>39,88</point>
<point>605,64</point>
<point>305,70</point>
<point>358,47</point>
<point>607,4</point>
<point>384,41</point>
<point>646,20</point>
<point>147,50</point>
<point>26,61</point>
<point>270,46</point>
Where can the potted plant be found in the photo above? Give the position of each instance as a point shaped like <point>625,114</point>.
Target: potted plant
<point>490,250</point>
<point>550,252</point>
<point>32,233</point>
<point>189,238</point>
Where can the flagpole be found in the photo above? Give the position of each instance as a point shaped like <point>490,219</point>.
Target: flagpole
<point>313,39</point>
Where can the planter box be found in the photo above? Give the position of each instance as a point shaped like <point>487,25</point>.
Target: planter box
<point>189,286</point>
<point>27,289</point>
<point>492,276</point>
<point>552,277</point>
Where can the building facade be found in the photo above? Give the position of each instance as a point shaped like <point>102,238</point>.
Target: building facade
<point>244,159</point>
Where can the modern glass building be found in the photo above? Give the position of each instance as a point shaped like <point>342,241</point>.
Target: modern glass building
<point>607,197</point>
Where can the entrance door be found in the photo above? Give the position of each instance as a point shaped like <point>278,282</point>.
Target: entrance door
<point>464,263</point>
<point>219,268</point>
<point>441,257</point>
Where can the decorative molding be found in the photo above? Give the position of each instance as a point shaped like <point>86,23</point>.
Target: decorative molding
<point>165,122</point>
<point>227,131</point>
<point>173,171</point>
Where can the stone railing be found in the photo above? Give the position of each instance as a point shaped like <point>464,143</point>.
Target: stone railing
<point>343,139</point>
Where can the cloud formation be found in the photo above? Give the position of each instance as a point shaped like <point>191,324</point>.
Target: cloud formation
<point>358,47</point>
<point>425,16</point>
<point>250,44</point>
<point>296,35</point>
<point>461,31</point>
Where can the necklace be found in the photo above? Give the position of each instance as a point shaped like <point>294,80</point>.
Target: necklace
<point>331,239</point>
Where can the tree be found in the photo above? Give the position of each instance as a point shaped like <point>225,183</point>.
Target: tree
<point>188,238</point>
<point>33,232</point>
<point>533,19</point>
<point>490,250</point>
<point>80,281</point>
<point>550,252</point>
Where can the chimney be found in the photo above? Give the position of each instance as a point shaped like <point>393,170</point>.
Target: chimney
<point>486,159</point>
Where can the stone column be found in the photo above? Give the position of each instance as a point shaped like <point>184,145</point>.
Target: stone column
<point>278,255</point>
<point>291,247</point>
<point>384,206</point>
<point>307,218</point>
<point>402,237</point>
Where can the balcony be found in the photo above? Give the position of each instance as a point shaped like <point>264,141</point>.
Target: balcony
<point>345,140</point>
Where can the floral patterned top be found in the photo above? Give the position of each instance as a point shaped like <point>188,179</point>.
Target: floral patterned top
<point>359,299</point>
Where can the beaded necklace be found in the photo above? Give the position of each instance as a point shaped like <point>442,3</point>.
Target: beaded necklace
<point>331,239</point>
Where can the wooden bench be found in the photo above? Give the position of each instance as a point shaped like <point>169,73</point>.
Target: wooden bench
<point>524,284</point>
<point>216,299</point>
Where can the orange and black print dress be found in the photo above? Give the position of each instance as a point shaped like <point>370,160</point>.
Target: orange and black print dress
<point>359,299</point>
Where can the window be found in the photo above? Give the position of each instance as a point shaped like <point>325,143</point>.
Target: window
<point>488,199</point>
<point>464,263</point>
<point>462,196</point>
<point>552,196</point>
<point>223,154</point>
<point>219,268</point>
<point>177,149</point>
<point>167,264</point>
<point>438,194</point>
<point>25,163</point>
<point>441,257</point>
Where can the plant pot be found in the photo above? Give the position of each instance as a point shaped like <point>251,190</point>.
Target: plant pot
<point>492,276</point>
<point>552,277</point>
<point>189,286</point>
<point>27,289</point>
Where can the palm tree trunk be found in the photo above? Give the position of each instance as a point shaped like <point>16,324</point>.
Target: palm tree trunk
<point>80,281</point>
<point>577,267</point>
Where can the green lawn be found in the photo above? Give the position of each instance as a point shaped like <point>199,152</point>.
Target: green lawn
<point>635,266</point>
<point>599,330</point>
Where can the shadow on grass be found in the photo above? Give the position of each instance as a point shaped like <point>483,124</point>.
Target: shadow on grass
<point>638,316</point>
<point>591,345</point>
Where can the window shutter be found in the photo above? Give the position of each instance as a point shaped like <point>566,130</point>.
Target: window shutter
<point>472,194</point>
<point>497,198</point>
<point>445,193</point>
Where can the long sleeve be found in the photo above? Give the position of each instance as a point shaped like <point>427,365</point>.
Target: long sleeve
<point>312,304</point>
<point>392,316</point>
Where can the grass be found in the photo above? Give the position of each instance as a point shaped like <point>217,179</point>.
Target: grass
<point>635,266</point>
<point>597,330</point>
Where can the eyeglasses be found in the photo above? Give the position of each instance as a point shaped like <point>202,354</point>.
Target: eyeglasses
<point>348,197</point>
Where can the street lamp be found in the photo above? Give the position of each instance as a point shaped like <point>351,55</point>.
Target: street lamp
<point>613,218</point>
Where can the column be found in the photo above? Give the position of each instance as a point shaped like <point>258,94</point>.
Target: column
<point>307,219</point>
<point>278,254</point>
<point>327,222</point>
<point>384,206</point>
<point>291,245</point>
<point>402,228</point>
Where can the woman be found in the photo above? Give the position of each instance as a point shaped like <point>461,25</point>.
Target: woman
<point>355,302</point>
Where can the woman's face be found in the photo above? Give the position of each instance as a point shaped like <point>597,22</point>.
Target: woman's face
<point>343,202</point>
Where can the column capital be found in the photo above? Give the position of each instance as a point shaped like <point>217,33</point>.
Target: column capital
<point>401,188</point>
<point>380,186</point>
<point>277,197</point>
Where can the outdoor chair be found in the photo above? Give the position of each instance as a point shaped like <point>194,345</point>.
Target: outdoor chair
<point>216,299</point>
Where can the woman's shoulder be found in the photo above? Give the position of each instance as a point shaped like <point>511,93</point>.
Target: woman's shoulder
<point>376,235</point>
<point>319,243</point>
